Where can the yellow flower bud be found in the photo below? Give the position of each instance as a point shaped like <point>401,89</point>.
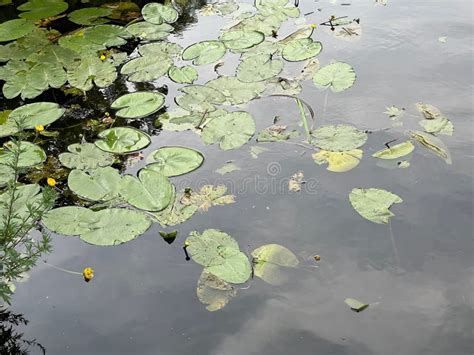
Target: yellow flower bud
<point>103,57</point>
<point>51,182</point>
<point>39,128</point>
<point>313,25</point>
<point>317,257</point>
<point>88,274</point>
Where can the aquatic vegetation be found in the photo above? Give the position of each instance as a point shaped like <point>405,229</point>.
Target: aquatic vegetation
<point>114,53</point>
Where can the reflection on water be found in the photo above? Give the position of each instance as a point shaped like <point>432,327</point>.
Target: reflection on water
<point>417,273</point>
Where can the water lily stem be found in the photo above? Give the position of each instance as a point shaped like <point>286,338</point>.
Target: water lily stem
<point>61,269</point>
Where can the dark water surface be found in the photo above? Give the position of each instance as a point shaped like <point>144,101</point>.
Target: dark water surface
<point>417,273</point>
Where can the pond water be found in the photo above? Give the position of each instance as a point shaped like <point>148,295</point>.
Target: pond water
<point>416,272</point>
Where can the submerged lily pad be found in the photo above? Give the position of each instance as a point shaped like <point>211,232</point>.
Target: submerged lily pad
<point>122,140</point>
<point>85,156</point>
<point>151,191</point>
<point>338,162</point>
<point>227,168</point>
<point>396,151</point>
<point>231,131</point>
<point>241,39</point>
<point>174,161</point>
<point>214,292</point>
<point>205,52</point>
<point>208,196</point>
<point>138,104</point>
<point>90,16</point>
<point>219,253</point>
<point>301,49</point>
<point>158,13</point>
<point>339,137</point>
<point>107,227</point>
<point>268,260</point>
<point>14,29</point>
<point>338,76</point>
<point>374,204</point>
<point>100,184</point>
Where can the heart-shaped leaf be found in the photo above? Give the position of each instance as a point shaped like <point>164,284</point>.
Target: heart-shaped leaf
<point>158,13</point>
<point>151,191</point>
<point>85,156</point>
<point>174,161</point>
<point>338,76</point>
<point>100,184</point>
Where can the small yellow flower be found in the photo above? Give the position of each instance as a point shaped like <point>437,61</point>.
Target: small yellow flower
<point>51,182</point>
<point>186,244</point>
<point>88,274</point>
<point>313,25</point>
<point>103,57</point>
<point>317,257</point>
<point>39,128</point>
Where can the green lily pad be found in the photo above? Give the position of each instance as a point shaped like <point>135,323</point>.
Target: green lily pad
<point>100,184</point>
<point>356,305</point>
<point>440,125</point>
<point>90,16</point>
<point>122,140</point>
<point>241,39</point>
<point>301,49</point>
<point>108,227</point>
<point>183,75</point>
<point>92,71</point>
<point>107,35</point>
<point>428,111</point>
<point>138,104</point>
<point>199,98</point>
<point>14,29</point>
<point>396,151</point>
<point>39,9</point>
<point>339,137</point>
<point>235,91</point>
<point>338,76</point>
<point>374,204</point>
<point>149,32</point>
<point>30,154</point>
<point>85,156</point>
<point>174,161</point>
<point>146,68</point>
<point>158,13</point>
<point>258,68</point>
<point>32,83</point>
<point>160,49</point>
<point>268,260</point>
<point>31,115</point>
<point>219,253</point>
<point>214,292</point>
<point>70,220</point>
<point>151,191</point>
<point>205,52</point>
<point>231,131</point>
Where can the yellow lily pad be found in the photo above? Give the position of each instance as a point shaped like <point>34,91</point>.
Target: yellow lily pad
<point>397,151</point>
<point>339,162</point>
